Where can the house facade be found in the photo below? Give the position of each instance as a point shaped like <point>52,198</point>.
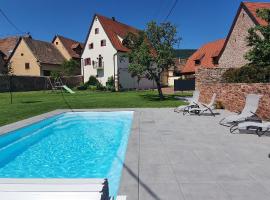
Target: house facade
<point>174,72</point>
<point>7,46</point>
<point>103,53</point>
<point>35,58</point>
<point>70,49</point>
<point>235,47</point>
<point>205,57</point>
<point>2,63</point>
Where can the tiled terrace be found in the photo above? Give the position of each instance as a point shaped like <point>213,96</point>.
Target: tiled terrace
<point>171,156</point>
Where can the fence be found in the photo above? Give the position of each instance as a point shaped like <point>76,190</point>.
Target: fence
<point>33,83</point>
<point>184,85</point>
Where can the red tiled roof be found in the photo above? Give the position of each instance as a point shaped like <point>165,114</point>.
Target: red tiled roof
<point>70,46</point>
<point>205,54</point>
<point>253,7</point>
<point>114,29</point>
<point>8,44</point>
<point>45,52</point>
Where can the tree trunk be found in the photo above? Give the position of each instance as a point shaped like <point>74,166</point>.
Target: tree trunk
<point>161,96</point>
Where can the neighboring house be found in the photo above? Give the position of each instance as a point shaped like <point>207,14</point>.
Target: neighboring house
<point>69,48</point>
<point>7,46</point>
<point>2,63</point>
<point>103,54</point>
<point>35,58</point>
<point>232,54</point>
<point>206,56</point>
<point>174,72</point>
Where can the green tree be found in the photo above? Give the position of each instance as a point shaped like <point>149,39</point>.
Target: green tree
<point>151,51</point>
<point>70,66</point>
<point>259,41</point>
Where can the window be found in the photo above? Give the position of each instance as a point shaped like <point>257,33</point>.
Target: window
<point>96,30</point>
<point>46,73</point>
<point>91,45</point>
<point>56,43</point>
<point>87,61</point>
<point>215,60</point>
<point>22,54</point>
<point>27,65</point>
<point>197,62</point>
<point>103,43</point>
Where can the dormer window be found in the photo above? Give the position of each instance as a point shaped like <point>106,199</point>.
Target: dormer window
<point>96,30</point>
<point>197,62</point>
<point>91,45</point>
<point>103,43</point>
<point>215,60</point>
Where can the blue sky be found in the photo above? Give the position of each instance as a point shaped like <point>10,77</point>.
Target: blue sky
<point>198,21</point>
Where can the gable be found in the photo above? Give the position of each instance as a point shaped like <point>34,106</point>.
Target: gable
<point>96,38</point>
<point>59,45</point>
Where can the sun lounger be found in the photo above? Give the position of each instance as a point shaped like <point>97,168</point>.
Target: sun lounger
<point>203,107</point>
<point>259,127</point>
<point>193,102</point>
<point>251,105</point>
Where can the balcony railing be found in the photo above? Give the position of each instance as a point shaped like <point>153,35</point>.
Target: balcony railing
<point>98,65</point>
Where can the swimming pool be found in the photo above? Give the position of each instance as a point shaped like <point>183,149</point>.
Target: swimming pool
<point>69,145</point>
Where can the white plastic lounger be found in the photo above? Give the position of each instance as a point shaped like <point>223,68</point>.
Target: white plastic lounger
<point>193,102</point>
<point>259,128</point>
<point>251,106</point>
<point>203,107</point>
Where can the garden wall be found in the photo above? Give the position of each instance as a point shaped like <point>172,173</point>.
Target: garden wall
<point>232,95</point>
<point>32,83</point>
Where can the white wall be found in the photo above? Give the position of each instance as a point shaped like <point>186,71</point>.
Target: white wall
<point>125,79</point>
<point>106,52</point>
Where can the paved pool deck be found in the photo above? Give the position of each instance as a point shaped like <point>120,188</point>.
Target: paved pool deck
<point>176,157</point>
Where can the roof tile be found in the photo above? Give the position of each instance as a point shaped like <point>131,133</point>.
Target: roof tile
<point>114,30</point>
<point>205,55</point>
<point>45,52</point>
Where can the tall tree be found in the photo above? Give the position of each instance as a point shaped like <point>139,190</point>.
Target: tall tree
<point>259,41</point>
<point>151,51</point>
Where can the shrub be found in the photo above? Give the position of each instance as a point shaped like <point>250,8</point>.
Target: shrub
<point>82,86</point>
<point>100,87</point>
<point>93,87</point>
<point>110,84</point>
<point>93,81</point>
<point>247,74</point>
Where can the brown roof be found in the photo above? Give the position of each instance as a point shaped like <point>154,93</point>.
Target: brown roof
<point>8,44</point>
<point>205,54</point>
<point>70,46</point>
<point>252,7</point>
<point>45,52</point>
<point>114,29</point>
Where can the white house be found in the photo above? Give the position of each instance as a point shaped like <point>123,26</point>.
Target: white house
<point>103,54</point>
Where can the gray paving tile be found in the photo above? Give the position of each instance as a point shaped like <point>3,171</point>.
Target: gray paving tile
<point>192,173</point>
<point>245,190</point>
<point>156,174</point>
<point>203,191</point>
<point>160,191</point>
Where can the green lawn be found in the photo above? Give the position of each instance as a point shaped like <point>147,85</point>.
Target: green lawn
<point>27,104</point>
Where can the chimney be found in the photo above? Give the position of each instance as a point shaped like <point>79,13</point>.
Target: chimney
<point>113,18</point>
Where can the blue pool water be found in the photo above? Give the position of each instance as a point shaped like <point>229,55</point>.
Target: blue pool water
<point>70,145</point>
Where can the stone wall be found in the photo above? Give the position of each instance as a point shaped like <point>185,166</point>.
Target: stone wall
<point>33,83</point>
<point>236,47</point>
<point>232,95</point>
<point>209,75</point>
